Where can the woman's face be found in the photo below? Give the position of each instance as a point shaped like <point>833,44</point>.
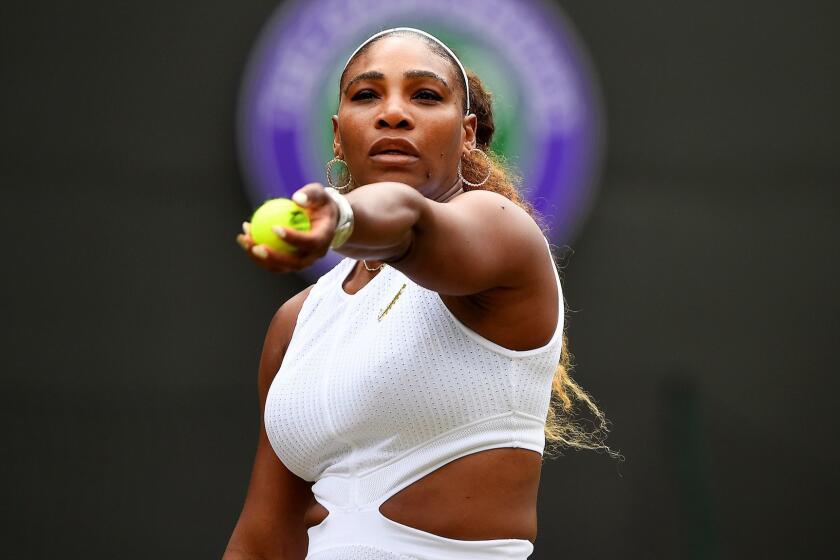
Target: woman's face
<point>400,89</point>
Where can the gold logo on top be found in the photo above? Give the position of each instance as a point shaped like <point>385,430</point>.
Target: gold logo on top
<point>390,305</point>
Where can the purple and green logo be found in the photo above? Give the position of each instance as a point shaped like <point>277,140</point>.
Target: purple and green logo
<point>547,104</point>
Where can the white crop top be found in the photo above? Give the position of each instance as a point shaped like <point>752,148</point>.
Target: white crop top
<point>364,407</point>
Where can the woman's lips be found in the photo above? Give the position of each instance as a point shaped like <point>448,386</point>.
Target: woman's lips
<point>394,158</point>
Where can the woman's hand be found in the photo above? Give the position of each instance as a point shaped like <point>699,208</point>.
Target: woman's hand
<point>311,245</point>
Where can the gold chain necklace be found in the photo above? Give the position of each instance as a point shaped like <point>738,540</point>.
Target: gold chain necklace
<point>372,269</point>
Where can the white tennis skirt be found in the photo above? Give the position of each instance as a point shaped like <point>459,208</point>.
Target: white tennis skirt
<point>366,534</point>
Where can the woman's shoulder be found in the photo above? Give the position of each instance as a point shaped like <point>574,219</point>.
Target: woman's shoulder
<point>277,338</point>
<point>285,318</point>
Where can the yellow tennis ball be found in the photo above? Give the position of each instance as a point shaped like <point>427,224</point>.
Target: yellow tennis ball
<point>277,212</point>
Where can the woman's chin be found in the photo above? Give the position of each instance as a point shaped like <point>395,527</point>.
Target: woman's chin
<point>396,176</point>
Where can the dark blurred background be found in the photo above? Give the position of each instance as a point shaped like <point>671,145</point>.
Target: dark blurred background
<point>704,286</point>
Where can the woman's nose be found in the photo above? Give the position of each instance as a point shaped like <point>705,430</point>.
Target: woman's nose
<point>394,115</point>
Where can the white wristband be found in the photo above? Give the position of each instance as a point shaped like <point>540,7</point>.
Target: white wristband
<point>344,227</point>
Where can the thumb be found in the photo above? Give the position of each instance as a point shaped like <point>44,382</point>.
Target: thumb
<point>311,195</point>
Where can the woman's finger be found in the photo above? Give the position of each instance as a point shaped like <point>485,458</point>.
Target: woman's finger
<point>273,259</point>
<point>315,240</point>
<point>245,241</point>
<point>311,195</point>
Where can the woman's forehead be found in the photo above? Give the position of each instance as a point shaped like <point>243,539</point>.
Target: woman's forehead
<point>398,55</point>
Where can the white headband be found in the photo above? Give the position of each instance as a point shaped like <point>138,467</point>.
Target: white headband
<point>432,37</point>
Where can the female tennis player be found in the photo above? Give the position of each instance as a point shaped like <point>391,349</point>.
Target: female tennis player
<point>407,396</point>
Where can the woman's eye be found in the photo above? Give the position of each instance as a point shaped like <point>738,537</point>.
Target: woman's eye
<point>364,94</point>
<point>428,94</point>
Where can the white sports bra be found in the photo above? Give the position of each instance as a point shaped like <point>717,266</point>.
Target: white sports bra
<point>381,387</point>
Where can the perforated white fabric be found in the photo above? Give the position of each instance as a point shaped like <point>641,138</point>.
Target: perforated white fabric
<point>365,407</point>
<point>357,552</point>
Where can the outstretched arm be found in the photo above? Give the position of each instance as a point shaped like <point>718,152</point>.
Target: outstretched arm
<point>477,241</point>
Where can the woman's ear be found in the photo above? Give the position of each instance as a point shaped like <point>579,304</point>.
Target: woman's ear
<point>336,137</point>
<point>470,128</point>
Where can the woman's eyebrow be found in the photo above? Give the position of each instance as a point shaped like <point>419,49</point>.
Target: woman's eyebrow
<point>375,75</point>
<point>425,74</point>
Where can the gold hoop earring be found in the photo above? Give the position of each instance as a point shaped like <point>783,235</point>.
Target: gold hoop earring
<point>489,168</point>
<point>340,188</point>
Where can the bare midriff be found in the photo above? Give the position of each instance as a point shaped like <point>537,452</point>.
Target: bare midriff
<point>487,495</point>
